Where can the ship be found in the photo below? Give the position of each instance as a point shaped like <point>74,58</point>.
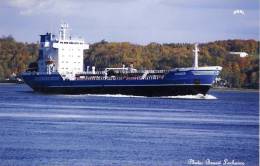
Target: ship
<point>60,70</point>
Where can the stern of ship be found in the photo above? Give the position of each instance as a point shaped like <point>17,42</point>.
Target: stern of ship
<point>41,82</point>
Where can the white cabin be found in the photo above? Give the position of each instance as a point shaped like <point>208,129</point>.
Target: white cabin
<point>63,55</point>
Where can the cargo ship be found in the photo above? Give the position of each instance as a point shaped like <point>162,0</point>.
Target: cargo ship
<point>60,70</point>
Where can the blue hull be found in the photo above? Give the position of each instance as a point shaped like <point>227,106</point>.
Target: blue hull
<point>174,83</point>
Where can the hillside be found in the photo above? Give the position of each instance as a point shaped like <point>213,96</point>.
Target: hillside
<point>238,72</point>
<point>15,56</point>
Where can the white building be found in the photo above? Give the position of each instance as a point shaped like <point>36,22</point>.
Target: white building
<point>241,54</point>
<point>63,54</point>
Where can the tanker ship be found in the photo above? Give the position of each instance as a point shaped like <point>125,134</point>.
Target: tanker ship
<point>60,70</point>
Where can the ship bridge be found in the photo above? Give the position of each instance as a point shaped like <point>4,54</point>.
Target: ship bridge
<point>62,54</point>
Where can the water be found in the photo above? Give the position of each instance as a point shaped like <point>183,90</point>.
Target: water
<point>37,129</point>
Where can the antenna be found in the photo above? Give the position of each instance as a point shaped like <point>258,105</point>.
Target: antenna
<point>64,31</point>
<point>196,56</point>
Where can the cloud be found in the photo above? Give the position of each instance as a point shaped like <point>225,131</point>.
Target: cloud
<point>139,21</point>
<point>60,7</point>
<point>31,7</point>
<point>209,4</point>
<point>22,3</point>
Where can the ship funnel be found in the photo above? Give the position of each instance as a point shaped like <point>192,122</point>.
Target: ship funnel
<point>196,56</point>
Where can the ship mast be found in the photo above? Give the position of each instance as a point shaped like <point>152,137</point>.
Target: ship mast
<point>196,56</point>
<point>63,33</point>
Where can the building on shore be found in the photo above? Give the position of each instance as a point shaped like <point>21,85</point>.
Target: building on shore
<point>241,54</point>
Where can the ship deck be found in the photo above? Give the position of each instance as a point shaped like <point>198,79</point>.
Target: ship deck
<point>138,75</point>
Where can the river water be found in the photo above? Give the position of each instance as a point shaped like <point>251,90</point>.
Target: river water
<point>38,129</point>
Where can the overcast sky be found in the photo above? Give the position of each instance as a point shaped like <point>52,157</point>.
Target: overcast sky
<point>136,21</point>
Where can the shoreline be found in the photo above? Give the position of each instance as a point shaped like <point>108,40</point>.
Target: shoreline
<point>234,89</point>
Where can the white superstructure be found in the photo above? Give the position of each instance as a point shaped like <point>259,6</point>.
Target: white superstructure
<point>62,54</point>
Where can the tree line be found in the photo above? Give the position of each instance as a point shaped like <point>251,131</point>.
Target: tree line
<point>238,72</point>
<point>15,56</point>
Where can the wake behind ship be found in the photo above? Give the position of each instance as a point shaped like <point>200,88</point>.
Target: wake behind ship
<point>60,69</point>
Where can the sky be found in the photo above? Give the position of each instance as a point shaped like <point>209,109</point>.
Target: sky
<point>135,21</point>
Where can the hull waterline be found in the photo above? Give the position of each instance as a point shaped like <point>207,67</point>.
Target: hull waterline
<point>130,90</point>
